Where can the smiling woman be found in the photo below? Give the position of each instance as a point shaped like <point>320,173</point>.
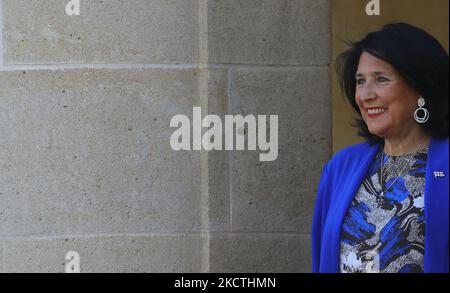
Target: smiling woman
<point>385,102</point>
<point>380,208</point>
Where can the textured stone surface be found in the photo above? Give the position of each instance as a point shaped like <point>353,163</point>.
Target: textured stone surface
<point>218,161</point>
<point>112,31</point>
<point>1,256</point>
<point>85,155</point>
<point>113,254</point>
<point>87,151</point>
<point>256,253</point>
<point>219,199</point>
<point>279,195</point>
<point>269,32</point>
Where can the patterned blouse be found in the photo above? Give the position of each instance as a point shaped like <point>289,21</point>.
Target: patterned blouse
<point>386,232</point>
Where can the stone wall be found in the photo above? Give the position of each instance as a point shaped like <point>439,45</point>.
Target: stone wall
<point>85,106</point>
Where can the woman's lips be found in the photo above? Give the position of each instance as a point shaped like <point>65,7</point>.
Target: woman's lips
<point>375,112</point>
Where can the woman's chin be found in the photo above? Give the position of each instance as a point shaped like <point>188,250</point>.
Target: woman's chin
<point>378,131</point>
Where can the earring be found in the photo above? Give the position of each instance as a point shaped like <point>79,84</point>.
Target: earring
<point>426,114</point>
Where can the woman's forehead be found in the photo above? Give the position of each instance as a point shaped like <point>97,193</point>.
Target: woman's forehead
<point>369,64</point>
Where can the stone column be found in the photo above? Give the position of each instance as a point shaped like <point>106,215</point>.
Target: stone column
<point>85,107</point>
<point>276,56</point>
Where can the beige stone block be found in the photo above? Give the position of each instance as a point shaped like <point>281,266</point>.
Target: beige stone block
<point>260,253</point>
<point>278,196</point>
<point>88,151</point>
<point>112,31</point>
<point>269,32</point>
<point>105,254</point>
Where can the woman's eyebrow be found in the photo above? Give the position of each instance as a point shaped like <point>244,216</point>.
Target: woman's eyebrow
<point>373,73</point>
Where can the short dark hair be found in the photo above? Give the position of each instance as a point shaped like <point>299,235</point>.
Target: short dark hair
<point>418,57</point>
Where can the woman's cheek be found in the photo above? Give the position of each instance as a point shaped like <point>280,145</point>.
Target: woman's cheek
<point>361,109</point>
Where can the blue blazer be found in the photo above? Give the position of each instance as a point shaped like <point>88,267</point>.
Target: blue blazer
<point>340,180</point>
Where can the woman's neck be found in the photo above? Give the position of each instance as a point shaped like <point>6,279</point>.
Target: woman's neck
<point>408,144</point>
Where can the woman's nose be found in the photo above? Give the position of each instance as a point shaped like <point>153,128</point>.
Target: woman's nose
<point>367,92</point>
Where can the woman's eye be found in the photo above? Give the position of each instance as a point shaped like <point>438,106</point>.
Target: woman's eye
<point>382,79</point>
<point>360,81</point>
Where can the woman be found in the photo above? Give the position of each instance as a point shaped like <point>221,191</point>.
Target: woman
<point>382,206</point>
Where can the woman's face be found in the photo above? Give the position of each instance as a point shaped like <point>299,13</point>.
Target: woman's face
<point>385,100</point>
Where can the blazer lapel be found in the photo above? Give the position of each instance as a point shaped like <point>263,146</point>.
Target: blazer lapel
<point>356,174</point>
<point>437,208</point>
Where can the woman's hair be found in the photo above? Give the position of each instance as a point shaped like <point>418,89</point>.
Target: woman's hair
<point>418,57</point>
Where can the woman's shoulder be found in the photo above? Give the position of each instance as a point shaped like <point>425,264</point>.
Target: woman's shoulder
<point>354,151</point>
<point>352,154</point>
<point>440,144</point>
<point>439,151</point>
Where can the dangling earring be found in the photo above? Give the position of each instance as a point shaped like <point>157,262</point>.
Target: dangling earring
<point>426,114</point>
